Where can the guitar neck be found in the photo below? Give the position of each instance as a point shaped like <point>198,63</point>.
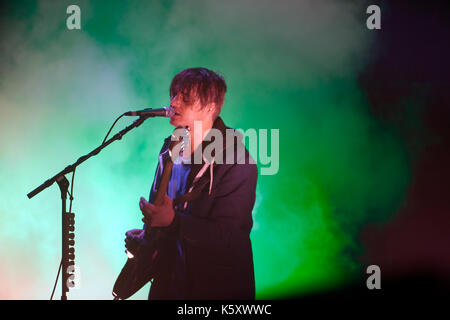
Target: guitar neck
<point>167,172</point>
<point>164,184</point>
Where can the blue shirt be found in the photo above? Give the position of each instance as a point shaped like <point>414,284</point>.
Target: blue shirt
<point>178,180</point>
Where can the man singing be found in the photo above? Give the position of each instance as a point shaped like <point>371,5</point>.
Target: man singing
<point>207,213</point>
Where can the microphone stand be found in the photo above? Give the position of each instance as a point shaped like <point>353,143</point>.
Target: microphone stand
<point>68,218</point>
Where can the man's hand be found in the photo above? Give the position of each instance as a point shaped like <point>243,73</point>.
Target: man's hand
<point>157,216</point>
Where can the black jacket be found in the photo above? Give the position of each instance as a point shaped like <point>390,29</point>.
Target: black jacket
<point>213,233</point>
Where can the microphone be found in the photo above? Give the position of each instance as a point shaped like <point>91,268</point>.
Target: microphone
<point>149,112</point>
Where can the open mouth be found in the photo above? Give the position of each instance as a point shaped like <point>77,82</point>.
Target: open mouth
<point>174,112</point>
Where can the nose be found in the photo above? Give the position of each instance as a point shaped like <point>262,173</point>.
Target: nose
<point>174,99</point>
<point>175,103</point>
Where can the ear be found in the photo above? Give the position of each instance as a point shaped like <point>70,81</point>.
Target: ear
<point>211,108</point>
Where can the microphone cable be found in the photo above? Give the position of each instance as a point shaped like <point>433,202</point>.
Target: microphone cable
<point>113,126</point>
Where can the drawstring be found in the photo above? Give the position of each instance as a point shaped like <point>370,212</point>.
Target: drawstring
<point>211,175</point>
<point>200,174</point>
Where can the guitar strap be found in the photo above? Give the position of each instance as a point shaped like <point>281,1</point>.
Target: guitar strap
<point>196,189</point>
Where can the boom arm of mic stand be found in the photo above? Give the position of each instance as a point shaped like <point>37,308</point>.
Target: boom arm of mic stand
<point>80,160</point>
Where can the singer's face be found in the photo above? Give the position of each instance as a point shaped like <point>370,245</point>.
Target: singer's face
<point>187,110</point>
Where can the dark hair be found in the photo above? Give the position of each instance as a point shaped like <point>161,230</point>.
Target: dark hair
<point>200,83</point>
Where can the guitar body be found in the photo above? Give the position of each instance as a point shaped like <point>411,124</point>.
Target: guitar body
<point>139,269</point>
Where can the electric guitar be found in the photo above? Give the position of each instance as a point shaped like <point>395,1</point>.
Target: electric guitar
<point>139,268</point>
